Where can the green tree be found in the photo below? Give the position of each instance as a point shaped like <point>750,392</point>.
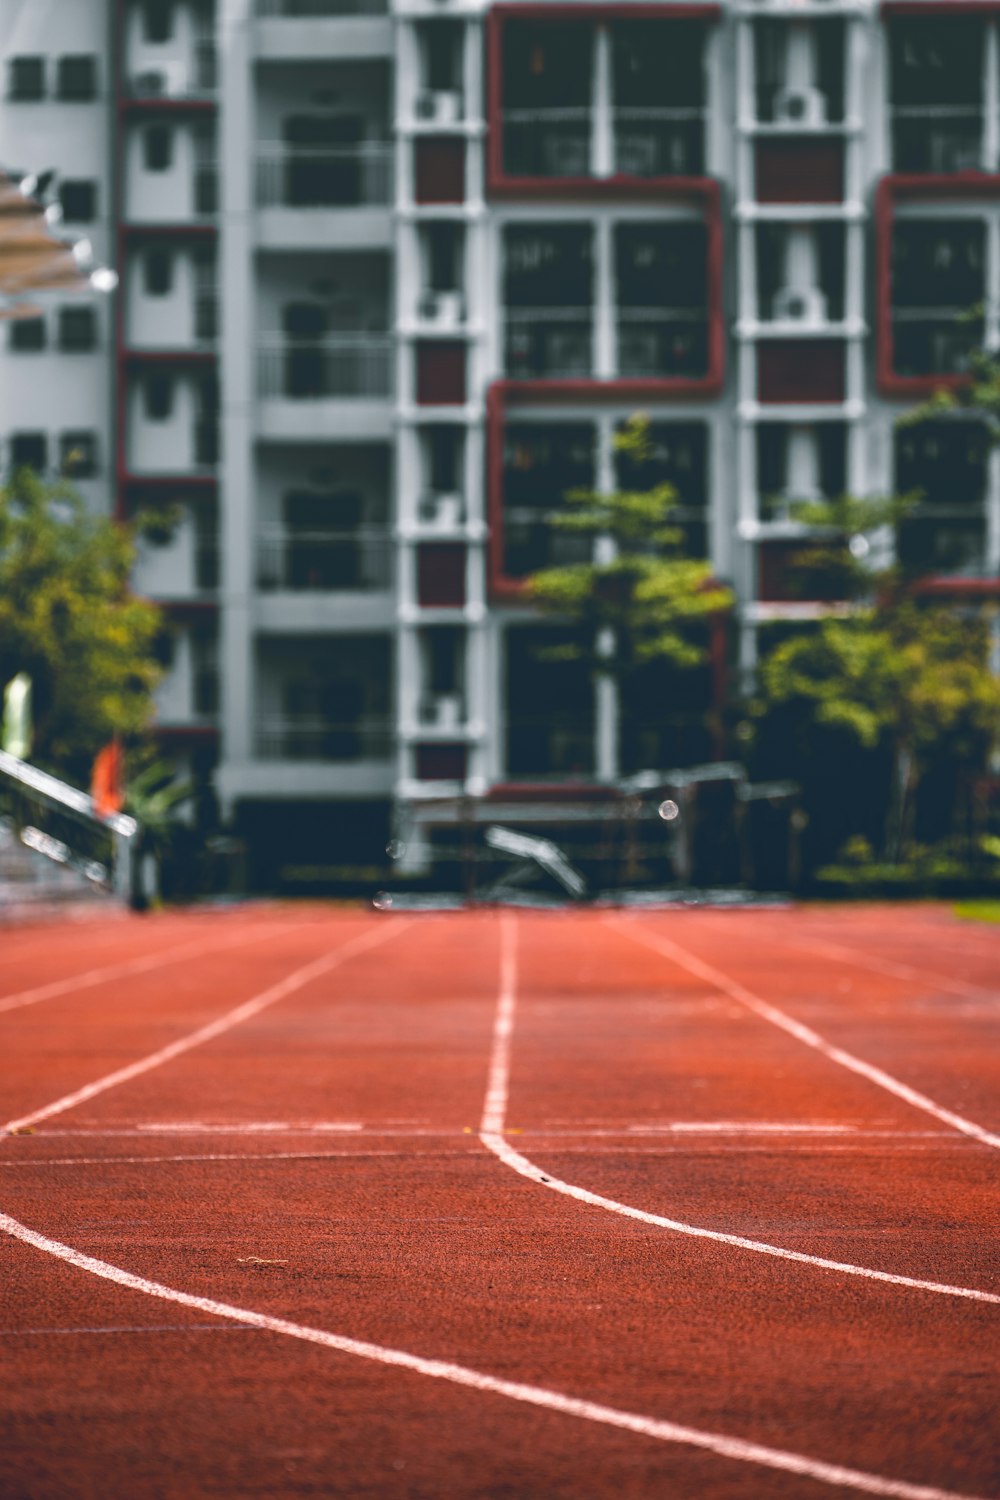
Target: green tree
<point>640,596</point>
<point>900,677</point>
<point>67,619</point>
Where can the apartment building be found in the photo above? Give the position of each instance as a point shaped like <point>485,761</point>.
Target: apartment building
<point>392,276</point>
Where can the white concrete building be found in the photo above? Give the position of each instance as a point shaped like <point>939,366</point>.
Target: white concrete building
<point>393,273</point>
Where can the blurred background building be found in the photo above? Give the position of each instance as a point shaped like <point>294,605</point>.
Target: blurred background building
<point>391,276</point>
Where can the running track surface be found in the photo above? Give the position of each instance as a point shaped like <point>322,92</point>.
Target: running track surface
<point>308,1201</point>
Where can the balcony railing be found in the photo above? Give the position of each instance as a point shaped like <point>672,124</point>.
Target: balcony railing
<point>549,343</point>
<point>336,367</point>
<point>311,9</point>
<point>658,343</point>
<point>547,142</point>
<point>532,542</point>
<point>320,739</point>
<point>659,142</point>
<point>550,745</point>
<point>325,176</point>
<point>938,139</point>
<point>324,561</point>
<point>934,340</point>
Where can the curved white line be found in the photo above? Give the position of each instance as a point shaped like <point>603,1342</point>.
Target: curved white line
<point>491,1134</point>
<point>532,1395</point>
<point>805,1034</point>
<point>252,1007</point>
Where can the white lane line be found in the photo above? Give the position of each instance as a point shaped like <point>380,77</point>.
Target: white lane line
<point>718,1443</point>
<point>164,956</point>
<point>859,959</point>
<point>779,1018</point>
<point>491,1134</point>
<point>294,981</point>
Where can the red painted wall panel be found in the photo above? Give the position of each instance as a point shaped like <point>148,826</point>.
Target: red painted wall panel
<point>441,575</point>
<point>439,169</point>
<point>441,373</point>
<point>801,370</point>
<point>441,762</point>
<point>800,171</point>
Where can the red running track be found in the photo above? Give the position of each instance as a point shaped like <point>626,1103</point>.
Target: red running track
<point>311,1201</point>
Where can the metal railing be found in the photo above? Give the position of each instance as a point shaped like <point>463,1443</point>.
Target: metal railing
<point>342,365</point>
<point>313,738</point>
<point>325,176</point>
<point>324,561</point>
<point>74,834</point>
<point>547,142</point>
<point>659,142</point>
<point>549,342</point>
<point>938,138</point>
<point>313,9</point>
<point>656,342</point>
<point>934,340</point>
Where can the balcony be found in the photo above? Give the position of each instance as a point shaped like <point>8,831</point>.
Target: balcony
<point>319,178</point>
<point>547,142</point>
<point>347,366</point>
<point>939,139</point>
<point>934,340</point>
<point>655,142</point>
<point>323,561</point>
<point>549,343</point>
<point>656,343</point>
<point>309,738</point>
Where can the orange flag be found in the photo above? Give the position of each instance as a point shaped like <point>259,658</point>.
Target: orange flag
<point>106,780</point>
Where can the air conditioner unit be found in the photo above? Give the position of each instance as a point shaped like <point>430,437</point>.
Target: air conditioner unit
<point>443,309</point>
<point>800,106</point>
<point>444,711</point>
<point>439,106</point>
<point>165,82</point>
<point>795,304</point>
<point>443,511</point>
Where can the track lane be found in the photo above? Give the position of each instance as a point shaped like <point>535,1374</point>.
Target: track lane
<point>446,1252</point>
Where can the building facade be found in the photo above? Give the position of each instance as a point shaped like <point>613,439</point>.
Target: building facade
<point>392,276</point>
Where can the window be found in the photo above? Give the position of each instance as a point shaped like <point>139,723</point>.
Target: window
<point>77,78</point>
<point>158,268</point>
<point>662,297</point>
<point>938,289</point>
<point>27,335</point>
<point>936,83</point>
<point>77,329</point>
<point>78,455</point>
<point>159,394</point>
<point>540,465</point>
<point>26,78</point>
<point>79,200</point>
<point>158,148</point>
<point>29,450</point>
<point>548,292</point>
<point>157,20</point>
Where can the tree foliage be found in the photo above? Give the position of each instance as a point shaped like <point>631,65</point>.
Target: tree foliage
<point>896,672</point>
<point>639,599</point>
<point>68,620</point>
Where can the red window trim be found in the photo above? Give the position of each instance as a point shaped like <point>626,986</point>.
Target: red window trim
<point>498,183</point>
<point>913,187</point>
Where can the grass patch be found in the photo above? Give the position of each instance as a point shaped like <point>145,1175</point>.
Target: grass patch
<point>979,911</point>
